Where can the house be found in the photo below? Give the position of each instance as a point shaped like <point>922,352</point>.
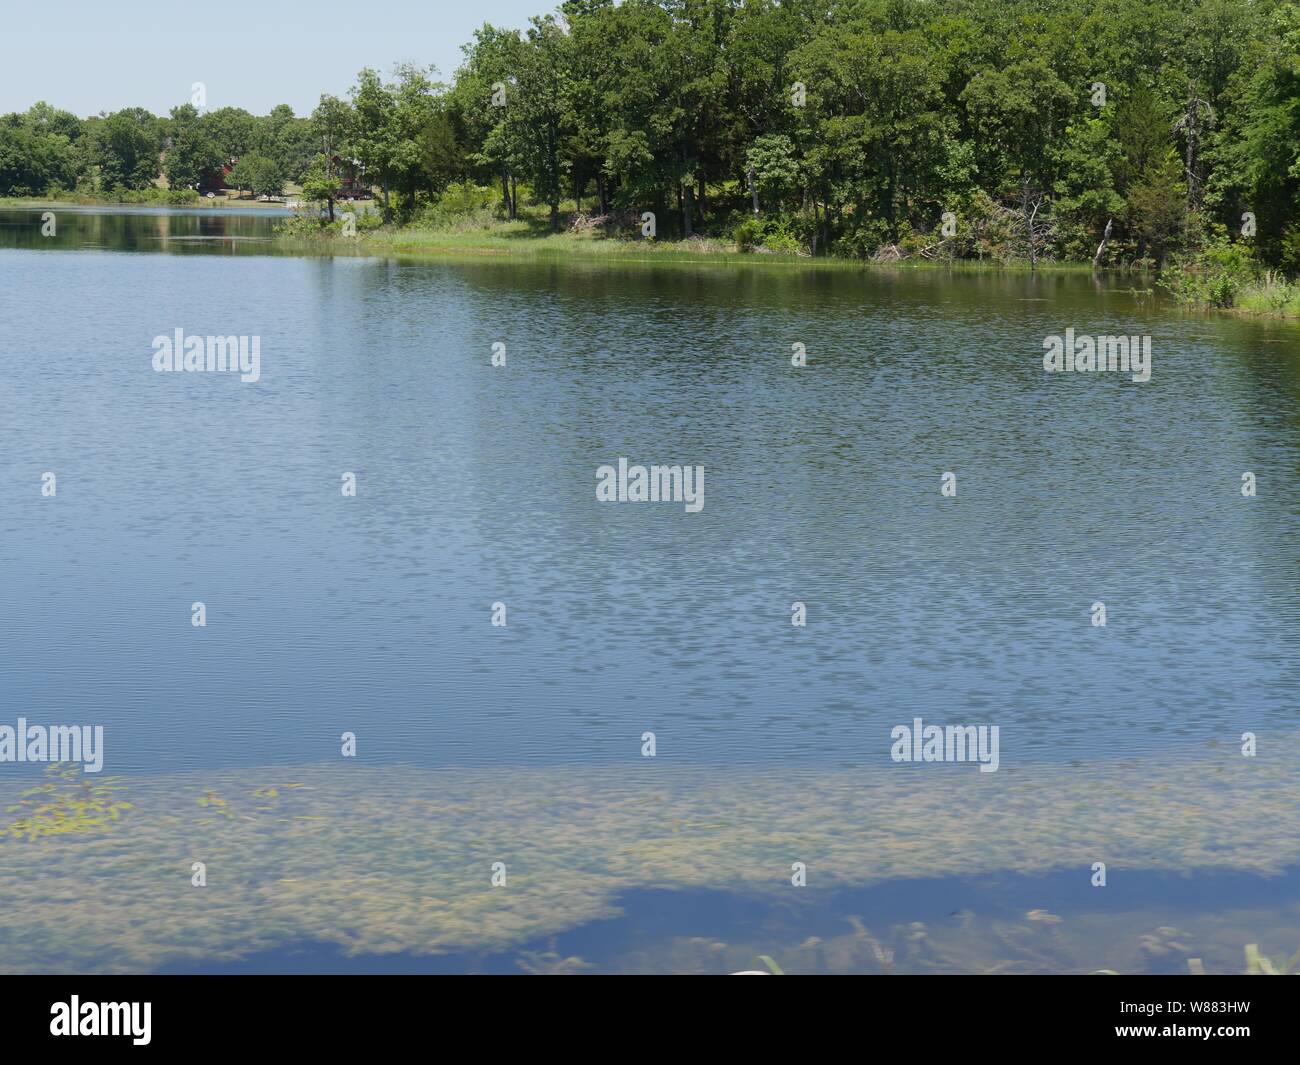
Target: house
<point>213,181</point>
<point>352,184</point>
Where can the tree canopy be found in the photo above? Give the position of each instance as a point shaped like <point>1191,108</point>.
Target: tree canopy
<point>1120,128</point>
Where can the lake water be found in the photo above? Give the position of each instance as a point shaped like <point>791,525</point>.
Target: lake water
<point>476,485</point>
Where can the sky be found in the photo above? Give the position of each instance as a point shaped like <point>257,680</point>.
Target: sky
<point>87,56</point>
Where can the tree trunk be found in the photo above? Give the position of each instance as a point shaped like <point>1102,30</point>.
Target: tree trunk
<point>600,192</point>
<point>753,189</point>
<point>687,192</point>
<point>388,213</point>
<point>514,198</point>
<point>1101,248</point>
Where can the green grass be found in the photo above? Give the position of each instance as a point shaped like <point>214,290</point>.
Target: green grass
<point>1271,295</point>
<point>529,237</point>
<point>145,198</point>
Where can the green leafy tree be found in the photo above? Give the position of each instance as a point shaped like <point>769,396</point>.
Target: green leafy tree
<point>126,145</point>
<point>320,185</point>
<point>374,137</point>
<point>32,162</point>
<point>191,149</point>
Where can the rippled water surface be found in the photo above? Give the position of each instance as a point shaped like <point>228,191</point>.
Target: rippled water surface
<point>476,485</point>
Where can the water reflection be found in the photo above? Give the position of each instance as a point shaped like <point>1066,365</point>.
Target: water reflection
<point>224,230</point>
<point>522,745</point>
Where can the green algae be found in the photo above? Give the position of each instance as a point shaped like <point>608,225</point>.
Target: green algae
<point>399,860</point>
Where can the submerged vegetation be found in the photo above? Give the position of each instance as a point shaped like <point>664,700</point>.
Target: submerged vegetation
<point>67,802</point>
<point>397,860</point>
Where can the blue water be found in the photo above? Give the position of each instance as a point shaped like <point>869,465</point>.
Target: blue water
<point>476,484</point>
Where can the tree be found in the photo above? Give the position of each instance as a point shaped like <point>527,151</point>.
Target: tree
<point>773,168</point>
<point>374,135</point>
<point>232,130</point>
<point>125,146</point>
<point>266,176</point>
<point>260,175</point>
<point>538,116</point>
<point>320,184</point>
<point>415,113</point>
<point>1258,153</point>
<point>32,162</point>
<point>191,150</point>
<point>480,104</point>
<point>442,159</point>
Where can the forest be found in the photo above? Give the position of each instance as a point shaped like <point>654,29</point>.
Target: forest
<point>1118,132</point>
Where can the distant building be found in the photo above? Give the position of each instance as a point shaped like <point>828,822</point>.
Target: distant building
<point>351,184</point>
<point>213,181</point>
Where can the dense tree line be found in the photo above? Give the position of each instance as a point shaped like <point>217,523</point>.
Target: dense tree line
<point>45,150</point>
<point>1115,130</point>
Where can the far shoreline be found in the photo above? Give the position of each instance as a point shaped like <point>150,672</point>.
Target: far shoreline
<point>508,241</point>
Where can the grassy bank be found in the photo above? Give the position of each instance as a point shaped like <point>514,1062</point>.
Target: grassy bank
<point>147,198</point>
<point>1225,276</point>
<point>1272,296</point>
<point>530,237</point>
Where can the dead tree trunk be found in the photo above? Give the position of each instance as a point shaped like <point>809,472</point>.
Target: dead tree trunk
<point>1101,248</point>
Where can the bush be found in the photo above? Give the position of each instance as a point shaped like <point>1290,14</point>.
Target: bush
<point>1214,277</point>
<point>461,205</point>
<point>748,234</point>
<point>777,234</point>
<point>168,197</point>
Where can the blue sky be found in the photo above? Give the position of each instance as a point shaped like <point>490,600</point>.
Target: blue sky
<point>88,55</point>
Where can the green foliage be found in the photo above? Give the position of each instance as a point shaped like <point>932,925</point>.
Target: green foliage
<point>462,205</point>
<point>39,151</point>
<point>126,145</point>
<point>152,195</point>
<point>257,173</point>
<point>319,183</point>
<point>68,801</point>
<point>1213,277</point>
<point>192,150</point>
<point>862,122</point>
<point>777,235</point>
<point>774,163</point>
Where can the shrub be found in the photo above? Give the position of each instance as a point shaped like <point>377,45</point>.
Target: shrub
<point>1213,277</point>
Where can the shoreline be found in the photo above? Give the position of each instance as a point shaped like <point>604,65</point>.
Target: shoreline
<point>561,247</point>
<point>513,241</point>
<point>219,203</point>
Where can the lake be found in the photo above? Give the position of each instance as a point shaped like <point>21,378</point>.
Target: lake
<point>523,743</point>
